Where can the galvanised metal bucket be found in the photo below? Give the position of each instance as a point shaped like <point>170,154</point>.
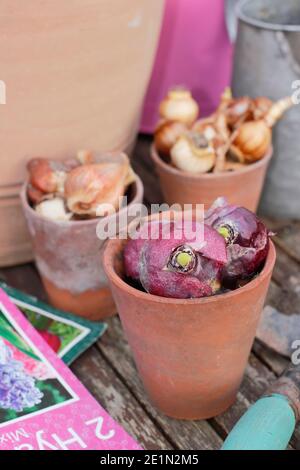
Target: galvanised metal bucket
<point>267,62</point>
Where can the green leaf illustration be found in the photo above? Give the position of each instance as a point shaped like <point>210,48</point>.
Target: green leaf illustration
<point>8,333</point>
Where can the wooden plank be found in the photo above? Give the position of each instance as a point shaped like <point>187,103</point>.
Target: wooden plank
<point>287,274</point>
<point>270,358</point>
<point>25,278</point>
<point>190,435</point>
<point>288,238</point>
<point>114,396</point>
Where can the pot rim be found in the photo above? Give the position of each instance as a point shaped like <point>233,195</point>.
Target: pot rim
<point>108,263</point>
<point>212,176</point>
<point>139,191</point>
<point>260,23</point>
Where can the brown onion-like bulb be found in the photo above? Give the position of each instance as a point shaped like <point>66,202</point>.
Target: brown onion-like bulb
<point>166,134</point>
<point>253,140</point>
<point>179,105</point>
<point>94,189</point>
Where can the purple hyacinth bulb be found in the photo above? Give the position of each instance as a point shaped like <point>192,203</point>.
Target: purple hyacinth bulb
<point>17,388</point>
<point>246,237</point>
<point>184,260</point>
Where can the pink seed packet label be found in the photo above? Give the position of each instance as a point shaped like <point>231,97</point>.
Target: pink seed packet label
<point>43,406</point>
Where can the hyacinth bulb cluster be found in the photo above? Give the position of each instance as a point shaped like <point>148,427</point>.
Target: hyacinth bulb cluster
<point>17,388</point>
<point>189,259</point>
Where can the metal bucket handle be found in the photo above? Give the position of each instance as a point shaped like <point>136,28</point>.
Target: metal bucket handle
<point>286,51</point>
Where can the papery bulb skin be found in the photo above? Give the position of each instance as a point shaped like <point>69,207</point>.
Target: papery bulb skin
<point>178,263</point>
<point>247,239</point>
<point>94,189</point>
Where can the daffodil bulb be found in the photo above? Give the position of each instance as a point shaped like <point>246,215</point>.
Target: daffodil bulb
<point>193,153</point>
<point>179,105</point>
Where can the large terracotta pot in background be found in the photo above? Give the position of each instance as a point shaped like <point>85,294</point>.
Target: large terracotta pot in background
<point>75,75</point>
<point>67,257</point>
<point>191,354</point>
<point>242,187</point>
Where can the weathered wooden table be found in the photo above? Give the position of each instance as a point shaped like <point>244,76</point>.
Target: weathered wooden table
<point>108,371</point>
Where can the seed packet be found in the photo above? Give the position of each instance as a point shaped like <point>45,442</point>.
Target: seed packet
<point>68,335</point>
<point>43,406</point>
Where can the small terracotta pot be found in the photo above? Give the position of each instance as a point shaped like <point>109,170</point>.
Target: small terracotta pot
<point>242,187</point>
<point>191,354</point>
<point>67,257</point>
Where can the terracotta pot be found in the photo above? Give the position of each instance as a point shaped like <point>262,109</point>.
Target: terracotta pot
<point>191,354</point>
<point>75,75</point>
<point>66,254</point>
<point>242,187</point>
<point>14,240</point>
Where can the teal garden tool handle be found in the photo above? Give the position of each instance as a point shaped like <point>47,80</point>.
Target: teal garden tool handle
<point>269,423</point>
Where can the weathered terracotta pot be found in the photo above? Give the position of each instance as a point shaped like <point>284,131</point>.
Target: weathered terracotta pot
<point>191,354</point>
<point>242,187</point>
<point>67,257</point>
<point>14,241</point>
<point>75,74</point>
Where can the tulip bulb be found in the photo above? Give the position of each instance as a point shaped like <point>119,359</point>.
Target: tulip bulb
<point>53,209</point>
<point>46,176</point>
<point>179,105</point>
<point>94,189</point>
<point>193,153</point>
<point>166,135</point>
